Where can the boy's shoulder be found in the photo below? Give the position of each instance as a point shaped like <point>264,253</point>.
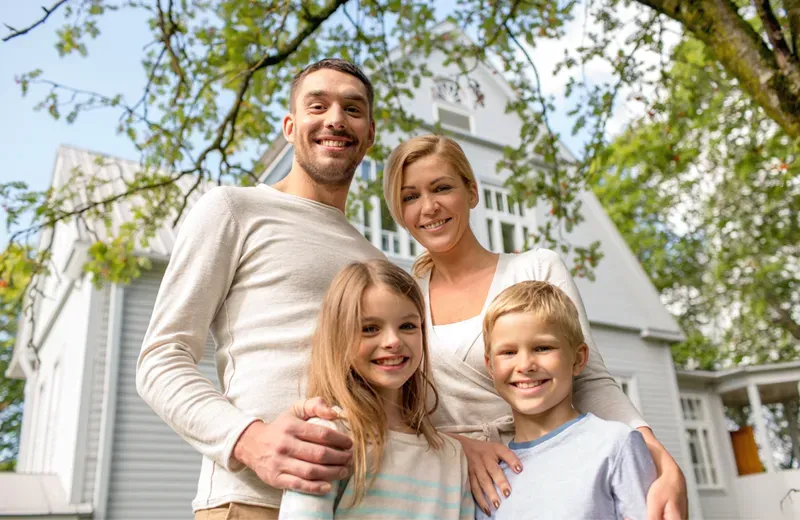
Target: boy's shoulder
<point>610,436</point>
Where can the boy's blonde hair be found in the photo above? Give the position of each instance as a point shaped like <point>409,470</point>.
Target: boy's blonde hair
<point>332,376</point>
<point>544,300</point>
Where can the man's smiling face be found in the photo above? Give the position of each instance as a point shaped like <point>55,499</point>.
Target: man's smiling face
<point>330,126</point>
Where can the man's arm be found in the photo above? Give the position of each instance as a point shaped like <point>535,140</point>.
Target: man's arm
<point>288,453</point>
<point>195,284</point>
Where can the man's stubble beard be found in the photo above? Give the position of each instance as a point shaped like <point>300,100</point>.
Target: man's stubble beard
<point>330,176</point>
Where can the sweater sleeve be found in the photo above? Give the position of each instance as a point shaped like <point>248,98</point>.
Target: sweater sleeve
<point>296,505</point>
<point>595,390</point>
<point>200,272</point>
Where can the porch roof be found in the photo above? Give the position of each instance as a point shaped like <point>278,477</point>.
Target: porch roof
<point>35,495</point>
<point>776,382</point>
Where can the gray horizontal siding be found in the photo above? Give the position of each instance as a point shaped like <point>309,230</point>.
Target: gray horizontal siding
<point>153,471</point>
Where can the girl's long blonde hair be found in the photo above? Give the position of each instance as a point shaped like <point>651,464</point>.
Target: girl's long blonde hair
<point>409,152</point>
<point>332,376</point>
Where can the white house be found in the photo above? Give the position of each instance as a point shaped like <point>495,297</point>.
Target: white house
<point>727,487</point>
<point>93,449</point>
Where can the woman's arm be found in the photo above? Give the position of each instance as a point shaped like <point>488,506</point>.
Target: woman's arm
<point>668,496</point>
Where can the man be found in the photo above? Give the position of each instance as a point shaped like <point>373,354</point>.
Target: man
<point>252,265</point>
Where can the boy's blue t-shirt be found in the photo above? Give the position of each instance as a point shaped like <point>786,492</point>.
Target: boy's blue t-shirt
<point>587,468</point>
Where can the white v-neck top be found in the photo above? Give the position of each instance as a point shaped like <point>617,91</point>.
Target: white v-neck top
<point>468,401</point>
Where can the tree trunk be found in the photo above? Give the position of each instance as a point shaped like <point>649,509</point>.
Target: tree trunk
<point>743,53</point>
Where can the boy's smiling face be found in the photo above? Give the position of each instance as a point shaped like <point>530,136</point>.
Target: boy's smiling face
<point>533,365</point>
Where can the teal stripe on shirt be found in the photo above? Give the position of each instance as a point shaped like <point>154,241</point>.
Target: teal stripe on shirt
<point>403,479</point>
<point>364,511</point>
<point>406,496</point>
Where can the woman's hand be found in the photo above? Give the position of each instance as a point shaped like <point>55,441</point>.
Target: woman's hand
<point>485,474</point>
<point>667,498</point>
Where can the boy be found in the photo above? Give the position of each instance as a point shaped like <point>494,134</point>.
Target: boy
<point>575,465</point>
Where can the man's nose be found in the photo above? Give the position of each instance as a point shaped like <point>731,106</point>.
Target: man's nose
<point>334,117</point>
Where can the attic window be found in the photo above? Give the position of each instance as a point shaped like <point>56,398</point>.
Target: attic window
<point>454,120</point>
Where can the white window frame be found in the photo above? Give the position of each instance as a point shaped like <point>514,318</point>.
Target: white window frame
<point>520,218</point>
<point>632,383</point>
<point>708,450</point>
<point>456,109</point>
<point>405,242</point>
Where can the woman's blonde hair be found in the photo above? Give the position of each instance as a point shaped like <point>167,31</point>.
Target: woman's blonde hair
<point>409,152</point>
<point>332,376</point>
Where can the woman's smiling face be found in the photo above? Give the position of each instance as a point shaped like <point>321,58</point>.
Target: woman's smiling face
<point>436,203</point>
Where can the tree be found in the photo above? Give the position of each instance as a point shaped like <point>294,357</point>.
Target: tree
<point>706,190</point>
<point>11,391</point>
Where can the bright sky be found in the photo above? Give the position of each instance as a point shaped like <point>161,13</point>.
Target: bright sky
<point>29,139</point>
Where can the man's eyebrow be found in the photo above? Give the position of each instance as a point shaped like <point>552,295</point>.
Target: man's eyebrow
<point>355,96</point>
<point>351,96</point>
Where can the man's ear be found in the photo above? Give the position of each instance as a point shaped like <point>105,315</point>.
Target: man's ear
<point>581,358</point>
<point>488,365</point>
<point>371,133</point>
<point>288,127</point>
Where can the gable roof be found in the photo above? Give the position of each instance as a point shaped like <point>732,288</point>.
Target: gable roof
<point>111,174</point>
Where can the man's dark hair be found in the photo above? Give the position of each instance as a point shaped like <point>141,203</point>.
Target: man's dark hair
<point>338,65</point>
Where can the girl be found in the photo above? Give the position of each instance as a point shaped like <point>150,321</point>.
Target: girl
<point>430,189</point>
<point>369,357</point>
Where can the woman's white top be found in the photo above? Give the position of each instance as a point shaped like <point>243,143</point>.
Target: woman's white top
<point>468,401</point>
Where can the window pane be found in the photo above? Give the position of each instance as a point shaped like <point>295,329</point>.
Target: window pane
<point>491,234</point>
<point>487,197</point>
<point>498,197</point>
<point>707,449</point>
<point>366,166</point>
<point>508,237</point>
<point>526,236</point>
<point>453,119</point>
<point>509,204</point>
<point>387,222</point>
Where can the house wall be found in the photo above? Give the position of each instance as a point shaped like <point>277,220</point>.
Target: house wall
<point>54,394</point>
<point>649,365</point>
<point>719,503</point>
<point>153,471</point>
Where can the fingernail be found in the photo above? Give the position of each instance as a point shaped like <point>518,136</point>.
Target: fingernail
<point>488,513</point>
<point>496,504</point>
<point>518,468</point>
<point>325,488</point>
<point>506,492</point>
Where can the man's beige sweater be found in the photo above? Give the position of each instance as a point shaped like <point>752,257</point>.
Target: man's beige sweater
<point>250,265</point>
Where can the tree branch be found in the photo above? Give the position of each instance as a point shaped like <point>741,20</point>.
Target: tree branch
<point>47,13</point>
<point>793,15</point>
<point>775,34</point>
<point>313,24</point>
<point>784,319</point>
<point>743,53</point>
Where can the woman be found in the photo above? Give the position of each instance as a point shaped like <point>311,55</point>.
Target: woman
<point>430,189</point>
